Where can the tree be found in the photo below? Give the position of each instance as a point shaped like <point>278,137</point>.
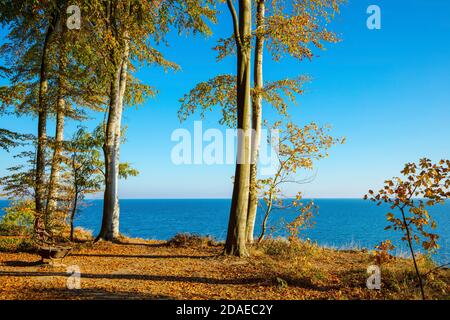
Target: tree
<point>62,57</point>
<point>32,27</point>
<point>86,167</point>
<point>289,29</point>
<point>236,240</point>
<point>256,119</point>
<point>53,20</point>
<point>10,139</point>
<point>37,57</point>
<point>424,185</point>
<point>85,174</point>
<point>130,26</point>
<point>19,183</point>
<point>299,148</point>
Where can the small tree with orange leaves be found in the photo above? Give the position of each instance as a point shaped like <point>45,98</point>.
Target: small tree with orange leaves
<point>299,147</point>
<point>424,185</point>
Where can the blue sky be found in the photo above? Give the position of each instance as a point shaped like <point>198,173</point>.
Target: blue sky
<point>386,91</point>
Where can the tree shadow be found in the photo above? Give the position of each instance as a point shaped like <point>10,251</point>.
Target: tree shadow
<point>152,245</point>
<point>144,277</point>
<point>98,294</point>
<point>307,283</point>
<point>141,256</point>
<point>16,263</point>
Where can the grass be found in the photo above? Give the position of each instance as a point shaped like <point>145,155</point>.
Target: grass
<point>191,240</point>
<point>193,267</point>
<point>345,268</point>
<point>16,244</point>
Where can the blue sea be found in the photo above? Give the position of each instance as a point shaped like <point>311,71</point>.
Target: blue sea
<point>340,223</point>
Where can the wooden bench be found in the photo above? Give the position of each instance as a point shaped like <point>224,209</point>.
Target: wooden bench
<point>48,249</point>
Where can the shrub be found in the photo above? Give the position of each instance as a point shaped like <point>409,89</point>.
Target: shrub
<point>82,234</point>
<point>191,240</point>
<point>16,244</point>
<point>382,254</point>
<point>285,248</point>
<point>276,247</point>
<point>18,220</point>
<point>79,234</point>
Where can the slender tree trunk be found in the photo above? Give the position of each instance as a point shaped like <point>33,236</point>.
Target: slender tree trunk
<point>123,85</point>
<point>42,121</point>
<point>413,255</point>
<point>72,216</point>
<point>110,223</point>
<point>52,198</point>
<point>264,223</point>
<point>256,119</point>
<point>236,237</point>
<point>108,151</point>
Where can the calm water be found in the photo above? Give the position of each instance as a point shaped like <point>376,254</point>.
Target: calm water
<point>340,223</point>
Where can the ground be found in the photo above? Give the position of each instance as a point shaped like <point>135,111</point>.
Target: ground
<point>139,269</point>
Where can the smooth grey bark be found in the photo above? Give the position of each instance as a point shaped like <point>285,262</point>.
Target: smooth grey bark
<point>53,188</point>
<point>111,212</point>
<point>256,119</point>
<point>236,237</point>
<point>108,151</point>
<point>117,138</point>
<point>42,120</point>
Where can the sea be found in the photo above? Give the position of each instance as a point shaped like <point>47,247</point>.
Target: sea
<point>339,223</point>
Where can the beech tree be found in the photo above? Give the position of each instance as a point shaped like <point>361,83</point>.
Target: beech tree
<point>130,29</point>
<point>32,26</point>
<point>43,82</point>
<point>22,17</point>
<point>85,168</point>
<point>236,240</point>
<point>423,185</point>
<point>292,30</point>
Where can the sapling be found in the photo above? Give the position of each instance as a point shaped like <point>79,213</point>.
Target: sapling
<point>422,186</point>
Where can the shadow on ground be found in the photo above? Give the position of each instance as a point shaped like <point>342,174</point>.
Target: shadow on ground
<point>144,277</point>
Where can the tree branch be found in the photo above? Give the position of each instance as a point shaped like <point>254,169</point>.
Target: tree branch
<point>237,35</point>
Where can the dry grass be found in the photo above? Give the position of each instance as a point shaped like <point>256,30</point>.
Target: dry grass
<point>191,240</point>
<point>139,269</point>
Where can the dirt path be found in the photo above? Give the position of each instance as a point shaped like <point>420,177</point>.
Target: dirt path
<point>152,270</point>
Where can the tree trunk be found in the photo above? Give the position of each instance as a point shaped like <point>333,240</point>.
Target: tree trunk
<point>236,236</point>
<point>72,216</point>
<point>411,249</point>
<point>52,198</point>
<point>118,131</point>
<point>108,150</point>
<point>264,223</point>
<point>110,223</point>
<point>42,122</point>
<point>256,119</point>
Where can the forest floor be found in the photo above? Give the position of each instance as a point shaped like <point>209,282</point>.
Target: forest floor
<point>140,269</point>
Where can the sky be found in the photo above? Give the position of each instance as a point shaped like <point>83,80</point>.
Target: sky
<point>386,91</point>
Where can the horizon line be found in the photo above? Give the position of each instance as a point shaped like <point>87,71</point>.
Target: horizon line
<point>218,198</point>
